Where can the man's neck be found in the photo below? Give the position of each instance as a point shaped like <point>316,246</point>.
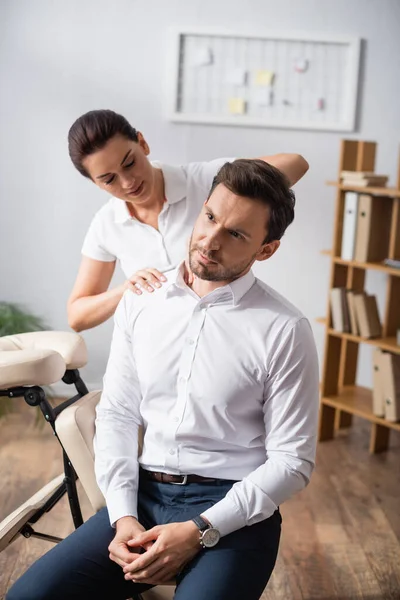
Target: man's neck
<point>201,287</point>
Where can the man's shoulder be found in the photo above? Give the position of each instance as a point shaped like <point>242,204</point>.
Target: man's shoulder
<point>134,303</point>
<point>275,302</point>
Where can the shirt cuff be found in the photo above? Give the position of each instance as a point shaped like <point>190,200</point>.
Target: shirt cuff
<point>121,503</point>
<point>225,516</point>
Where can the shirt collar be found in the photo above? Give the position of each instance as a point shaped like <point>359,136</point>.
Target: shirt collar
<point>231,293</point>
<point>175,185</point>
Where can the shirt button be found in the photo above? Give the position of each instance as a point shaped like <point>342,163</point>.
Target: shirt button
<point>172,451</point>
<point>175,419</point>
<point>190,341</point>
<point>182,379</point>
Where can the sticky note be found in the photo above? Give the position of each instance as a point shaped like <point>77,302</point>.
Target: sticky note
<point>301,65</point>
<point>202,57</point>
<point>237,106</point>
<point>320,104</point>
<point>264,77</point>
<point>264,96</point>
<point>236,76</point>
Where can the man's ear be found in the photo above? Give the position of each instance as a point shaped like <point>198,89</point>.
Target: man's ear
<point>143,144</point>
<point>267,250</point>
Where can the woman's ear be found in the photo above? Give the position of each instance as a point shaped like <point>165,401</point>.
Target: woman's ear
<point>143,144</point>
<point>267,250</point>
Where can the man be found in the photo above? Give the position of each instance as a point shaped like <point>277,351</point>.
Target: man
<point>222,376</point>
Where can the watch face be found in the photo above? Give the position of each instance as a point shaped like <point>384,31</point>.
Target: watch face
<point>210,537</point>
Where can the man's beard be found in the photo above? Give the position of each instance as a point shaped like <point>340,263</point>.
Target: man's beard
<point>216,272</point>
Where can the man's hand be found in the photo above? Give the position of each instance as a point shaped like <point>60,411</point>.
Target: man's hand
<point>174,545</point>
<point>127,528</point>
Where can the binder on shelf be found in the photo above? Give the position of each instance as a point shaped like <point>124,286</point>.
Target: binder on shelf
<point>373,228</point>
<point>352,313</point>
<point>339,310</point>
<point>367,315</point>
<point>378,398</point>
<point>349,225</point>
<point>390,378</point>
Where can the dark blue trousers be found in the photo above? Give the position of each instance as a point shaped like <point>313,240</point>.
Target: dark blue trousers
<point>79,568</point>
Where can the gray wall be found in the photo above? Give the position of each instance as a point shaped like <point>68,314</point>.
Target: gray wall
<point>59,59</point>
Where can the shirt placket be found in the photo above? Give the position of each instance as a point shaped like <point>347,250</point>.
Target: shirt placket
<point>186,362</point>
<point>161,233</point>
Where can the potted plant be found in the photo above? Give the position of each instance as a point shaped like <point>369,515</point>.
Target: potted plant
<point>16,319</point>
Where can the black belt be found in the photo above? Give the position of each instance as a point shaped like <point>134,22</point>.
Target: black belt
<point>175,479</point>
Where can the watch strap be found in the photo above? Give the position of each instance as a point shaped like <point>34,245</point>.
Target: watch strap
<point>201,523</point>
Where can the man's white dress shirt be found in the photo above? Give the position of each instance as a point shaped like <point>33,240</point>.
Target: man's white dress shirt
<point>224,386</point>
<point>115,235</point>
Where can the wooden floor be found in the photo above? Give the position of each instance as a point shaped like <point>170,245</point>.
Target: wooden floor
<point>341,536</point>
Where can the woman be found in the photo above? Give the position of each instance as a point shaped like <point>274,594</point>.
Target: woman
<point>149,218</point>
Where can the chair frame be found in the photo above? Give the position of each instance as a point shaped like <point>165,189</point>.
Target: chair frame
<point>36,396</point>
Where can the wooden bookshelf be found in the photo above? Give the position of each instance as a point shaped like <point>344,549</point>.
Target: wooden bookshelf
<point>374,191</point>
<point>341,398</point>
<point>376,266</point>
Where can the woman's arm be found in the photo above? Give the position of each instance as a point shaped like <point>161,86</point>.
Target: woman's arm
<point>294,166</point>
<point>92,303</point>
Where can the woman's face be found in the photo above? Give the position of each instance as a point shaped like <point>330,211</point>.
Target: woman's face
<point>122,168</point>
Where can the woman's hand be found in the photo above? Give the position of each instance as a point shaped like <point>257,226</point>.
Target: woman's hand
<point>145,279</point>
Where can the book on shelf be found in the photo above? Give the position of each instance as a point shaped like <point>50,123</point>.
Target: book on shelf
<point>339,310</point>
<point>352,313</point>
<point>390,381</point>
<point>349,225</point>
<point>372,229</point>
<point>367,315</point>
<point>378,398</point>
<point>363,179</point>
<point>392,262</point>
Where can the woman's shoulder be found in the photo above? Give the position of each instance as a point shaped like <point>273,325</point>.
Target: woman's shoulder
<point>112,211</point>
<point>183,179</point>
<point>205,169</point>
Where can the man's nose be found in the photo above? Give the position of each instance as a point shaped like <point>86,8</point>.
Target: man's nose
<point>211,242</point>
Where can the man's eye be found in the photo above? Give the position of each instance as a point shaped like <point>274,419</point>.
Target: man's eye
<point>210,217</point>
<point>129,164</point>
<point>109,180</point>
<point>235,234</point>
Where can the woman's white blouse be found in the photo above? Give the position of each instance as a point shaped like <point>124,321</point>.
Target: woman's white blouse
<point>115,235</point>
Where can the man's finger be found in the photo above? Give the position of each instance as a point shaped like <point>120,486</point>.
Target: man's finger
<point>143,538</point>
<point>143,561</point>
<point>163,576</point>
<point>146,573</point>
<point>122,554</point>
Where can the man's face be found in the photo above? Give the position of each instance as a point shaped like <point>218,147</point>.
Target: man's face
<point>228,236</point>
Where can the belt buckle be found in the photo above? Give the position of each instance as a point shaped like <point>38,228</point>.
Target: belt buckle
<point>183,482</point>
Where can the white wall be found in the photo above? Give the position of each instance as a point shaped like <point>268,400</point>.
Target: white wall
<point>59,59</point>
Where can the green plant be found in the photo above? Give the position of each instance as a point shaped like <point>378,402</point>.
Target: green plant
<point>16,319</point>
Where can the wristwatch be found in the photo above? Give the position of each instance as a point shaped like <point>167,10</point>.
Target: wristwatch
<point>209,535</point>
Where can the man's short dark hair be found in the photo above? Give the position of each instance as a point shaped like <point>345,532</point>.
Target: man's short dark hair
<point>260,181</point>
